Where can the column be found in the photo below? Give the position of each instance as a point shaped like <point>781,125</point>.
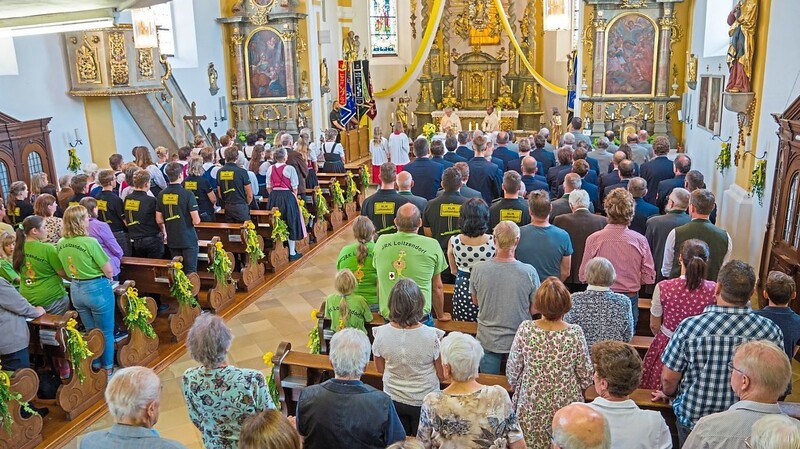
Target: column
<point>237,39</point>
<point>598,66</point>
<point>662,72</point>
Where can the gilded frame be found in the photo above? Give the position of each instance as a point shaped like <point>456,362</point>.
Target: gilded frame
<point>250,35</point>
<point>655,54</point>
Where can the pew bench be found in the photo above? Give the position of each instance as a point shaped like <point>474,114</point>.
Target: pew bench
<point>350,209</point>
<point>335,215</point>
<point>234,239</point>
<point>220,294</point>
<point>24,433</point>
<point>139,350</point>
<point>276,255</point>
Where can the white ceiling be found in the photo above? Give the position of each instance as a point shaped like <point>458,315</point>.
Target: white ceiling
<point>10,9</point>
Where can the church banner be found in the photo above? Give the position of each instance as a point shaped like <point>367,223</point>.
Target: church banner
<point>348,111</point>
<point>372,112</point>
<point>342,81</point>
<point>358,82</point>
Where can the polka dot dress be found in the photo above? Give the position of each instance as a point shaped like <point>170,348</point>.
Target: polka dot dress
<point>466,257</point>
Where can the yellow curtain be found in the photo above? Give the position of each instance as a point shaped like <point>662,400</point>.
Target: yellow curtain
<point>547,84</point>
<point>422,52</point>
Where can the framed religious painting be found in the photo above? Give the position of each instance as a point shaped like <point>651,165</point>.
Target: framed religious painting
<point>702,111</point>
<point>265,59</point>
<point>715,104</point>
<point>630,56</point>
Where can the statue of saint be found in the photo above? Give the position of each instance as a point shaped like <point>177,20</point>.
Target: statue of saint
<point>742,21</point>
<point>323,76</point>
<point>349,47</point>
<point>401,113</point>
<point>555,127</point>
<point>357,43</point>
<point>213,76</point>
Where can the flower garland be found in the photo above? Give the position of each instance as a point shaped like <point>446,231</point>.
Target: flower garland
<point>6,396</point>
<point>337,194</point>
<point>221,265</point>
<point>138,314</point>
<point>182,287</point>
<point>74,164</point>
<point>273,388</point>
<point>758,180</point>
<point>281,232</point>
<point>241,136</point>
<point>429,130</point>
<point>364,175</point>
<point>723,160</point>
<point>306,214</point>
<point>77,348</point>
<point>313,344</point>
<point>352,190</point>
<point>322,205</point>
<point>253,248</point>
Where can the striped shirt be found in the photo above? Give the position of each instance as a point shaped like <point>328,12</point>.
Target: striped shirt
<point>629,253</point>
<point>701,349</point>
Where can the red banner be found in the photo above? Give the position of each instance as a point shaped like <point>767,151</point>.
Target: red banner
<point>342,82</point>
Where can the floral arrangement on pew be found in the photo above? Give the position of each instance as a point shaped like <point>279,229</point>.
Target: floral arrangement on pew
<point>280,233</point>
<point>221,266</point>
<point>313,344</point>
<point>74,164</point>
<point>364,175</point>
<point>758,180</point>
<point>429,130</point>
<point>271,386</point>
<point>6,396</point>
<point>352,189</point>
<point>322,205</point>
<point>77,348</point>
<point>723,160</point>
<point>241,136</point>
<point>182,287</point>
<point>138,315</point>
<point>253,249</point>
<point>306,214</point>
<point>338,194</point>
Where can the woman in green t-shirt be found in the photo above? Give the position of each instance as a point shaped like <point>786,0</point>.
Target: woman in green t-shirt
<point>7,271</point>
<point>347,309</point>
<point>357,257</point>
<point>89,270</point>
<point>40,269</point>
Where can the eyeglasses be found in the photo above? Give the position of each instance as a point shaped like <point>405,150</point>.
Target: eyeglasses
<point>747,443</point>
<point>733,368</point>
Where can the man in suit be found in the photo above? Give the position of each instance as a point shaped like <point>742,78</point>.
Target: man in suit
<point>512,145</point>
<point>581,168</point>
<point>657,169</point>
<point>572,182</point>
<point>612,177</point>
<point>644,210</point>
<point>576,128</point>
<point>451,144</point>
<point>564,165</point>
<point>524,151</point>
<point>602,155</point>
<point>437,153</point>
<point>485,176</point>
<point>644,136</point>
<point>625,175</point>
<point>694,181</point>
<point>546,158</point>
<point>544,132</point>
<point>462,149</point>
<point>580,155</point>
<point>465,191</point>
<point>639,154</point>
<point>427,173</point>
<point>405,186</point>
<point>530,179</point>
<point>680,167</point>
<point>489,156</point>
<point>582,152</point>
<point>612,147</point>
<point>659,226</point>
<point>579,224</point>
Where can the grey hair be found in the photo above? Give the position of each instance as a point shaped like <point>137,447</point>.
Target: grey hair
<point>331,134</point>
<point>566,440</point>
<point>569,139</point>
<point>579,199</point>
<point>463,353</point>
<point>573,180</point>
<point>600,272</point>
<point>776,431</point>
<point>602,142</point>
<point>406,444</point>
<point>130,391</point>
<point>209,340</point>
<point>680,197</point>
<point>286,140</point>
<point>349,352</point>
<point>279,154</point>
<point>544,132</point>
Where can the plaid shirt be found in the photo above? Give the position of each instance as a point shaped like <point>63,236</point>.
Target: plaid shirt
<point>701,349</point>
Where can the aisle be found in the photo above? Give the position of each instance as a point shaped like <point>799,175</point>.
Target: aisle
<point>282,314</point>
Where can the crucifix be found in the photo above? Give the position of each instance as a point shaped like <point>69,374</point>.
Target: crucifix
<point>194,119</point>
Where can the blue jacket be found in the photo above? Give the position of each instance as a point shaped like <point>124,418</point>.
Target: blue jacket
<point>643,211</point>
<point>665,188</point>
<point>427,176</point>
<point>546,158</point>
<point>505,155</point>
<point>453,157</point>
<point>444,162</point>
<point>591,177</point>
<point>465,152</point>
<point>516,165</point>
<point>485,177</point>
<point>655,171</point>
<point>535,183</point>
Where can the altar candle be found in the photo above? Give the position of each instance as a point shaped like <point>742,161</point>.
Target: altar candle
<point>470,126</point>
<point>392,117</point>
<point>512,86</point>
<point>442,87</point>
<point>412,119</point>
<point>461,87</point>
<point>492,89</point>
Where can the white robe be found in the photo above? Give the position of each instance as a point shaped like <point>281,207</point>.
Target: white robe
<point>452,122</point>
<point>491,123</point>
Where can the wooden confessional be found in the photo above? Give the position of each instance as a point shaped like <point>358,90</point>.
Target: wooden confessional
<point>24,151</point>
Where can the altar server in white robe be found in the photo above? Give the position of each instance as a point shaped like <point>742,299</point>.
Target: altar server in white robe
<point>399,146</point>
<point>492,121</point>
<point>450,122</point>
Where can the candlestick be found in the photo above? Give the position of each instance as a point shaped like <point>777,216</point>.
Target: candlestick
<point>442,87</point>
<point>470,126</point>
<point>461,87</point>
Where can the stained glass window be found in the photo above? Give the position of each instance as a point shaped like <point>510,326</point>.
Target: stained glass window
<point>383,27</point>
<point>34,163</point>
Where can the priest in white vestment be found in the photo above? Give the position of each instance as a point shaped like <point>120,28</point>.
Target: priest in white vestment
<point>492,121</point>
<point>450,122</point>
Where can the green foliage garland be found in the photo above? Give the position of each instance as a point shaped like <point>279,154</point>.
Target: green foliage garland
<point>74,164</point>
<point>253,249</point>
<point>77,348</point>
<point>723,160</point>
<point>6,396</point>
<point>758,180</point>
<point>337,194</point>
<point>364,174</point>
<point>181,288</point>
<point>281,232</point>
<point>322,205</point>
<point>138,315</point>
<point>221,266</point>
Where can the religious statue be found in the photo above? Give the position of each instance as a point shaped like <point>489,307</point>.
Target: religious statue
<point>450,122</point>
<point>555,127</point>
<point>350,47</point>
<point>742,21</point>
<point>491,122</point>
<point>449,98</point>
<point>357,46</point>
<point>462,26</point>
<point>401,113</point>
<point>323,76</point>
<point>213,76</point>
<point>691,71</point>
<point>504,100</point>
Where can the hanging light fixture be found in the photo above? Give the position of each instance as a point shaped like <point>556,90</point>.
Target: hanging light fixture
<point>556,15</point>
<point>145,34</point>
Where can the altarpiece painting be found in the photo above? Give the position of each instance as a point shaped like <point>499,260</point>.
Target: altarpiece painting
<point>630,56</point>
<point>266,61</point>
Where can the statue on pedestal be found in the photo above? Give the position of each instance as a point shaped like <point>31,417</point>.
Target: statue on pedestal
<point>742,21</point>
<point>555,127</point>
<point>323,76</point>
<point>401,113</point>
<point>350,47</point>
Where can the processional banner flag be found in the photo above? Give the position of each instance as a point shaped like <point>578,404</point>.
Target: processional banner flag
<point>348,108</point>
<point>342,80</point>
<point>362,88</point>
<point>573,82</point>
<point>372,112</point>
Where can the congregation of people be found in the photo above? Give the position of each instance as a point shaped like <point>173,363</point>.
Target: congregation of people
<point>547,250</point>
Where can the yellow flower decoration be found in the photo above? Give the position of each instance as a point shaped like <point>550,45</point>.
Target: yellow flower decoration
<point>314,313</point>
<point>177,266</point>
<point>219,246</point>
<point>138,315</point>
<point>77,348</point>
<point>277,214</point>
<point>251,226</point>
<point>268,359</point>
<point>221,266</point>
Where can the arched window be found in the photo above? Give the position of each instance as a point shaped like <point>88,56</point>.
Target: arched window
<point>5,178</point>
<point>790,214</point>
<point>383,27</point>
<point>34,163</point>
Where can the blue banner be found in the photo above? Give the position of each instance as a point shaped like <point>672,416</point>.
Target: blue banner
<point>348,110</point>
<point>573,92</point>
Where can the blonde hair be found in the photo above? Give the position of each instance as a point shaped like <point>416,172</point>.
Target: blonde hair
<point>619,206</point>
<point>268,430</point>
<point>506,234</point>
<point>345,283</point>
<point>195,166</point>
<point>74,222</point>
<point>38,180</point>
<point>364,232</point>
<point>6,238</point>
<point>161,152</point>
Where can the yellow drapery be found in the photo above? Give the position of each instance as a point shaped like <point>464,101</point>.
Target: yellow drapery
<point>422,51</point>
<point>547,84</point>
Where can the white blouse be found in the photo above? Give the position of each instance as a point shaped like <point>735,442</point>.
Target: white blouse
<point>379,151</point>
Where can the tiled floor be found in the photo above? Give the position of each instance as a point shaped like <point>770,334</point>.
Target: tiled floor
<point>281,314</point>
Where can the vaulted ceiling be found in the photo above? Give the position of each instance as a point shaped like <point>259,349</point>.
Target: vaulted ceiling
<point>16,12</point>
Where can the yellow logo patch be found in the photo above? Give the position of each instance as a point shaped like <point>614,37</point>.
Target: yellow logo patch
<point>102,205</point>
<point>511,215</point>
<point>226,175</point>
<point>384,208</point>
<point>450,210</point>
<point>190,185</point>
<point>169,199</point>
<point>132,205</point>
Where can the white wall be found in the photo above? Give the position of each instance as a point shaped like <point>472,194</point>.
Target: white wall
<point>740,215</point>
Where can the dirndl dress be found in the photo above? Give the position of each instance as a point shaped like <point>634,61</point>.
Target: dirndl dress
<point>311,180</point>
<point>333,162</point>
<point>284,199</point>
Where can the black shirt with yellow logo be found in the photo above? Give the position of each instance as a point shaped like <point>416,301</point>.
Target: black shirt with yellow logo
<point>231,181</point>
<point>110,210</point>
<point>176,204</point>
<point>200,187</point>
<point>19,211</point>
<point>381,208</point>
<point>140,214</point>
<point>441,216</point>
<point>508,209</point>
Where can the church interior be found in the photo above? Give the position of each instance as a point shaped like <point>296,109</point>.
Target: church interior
<point>83,81</point>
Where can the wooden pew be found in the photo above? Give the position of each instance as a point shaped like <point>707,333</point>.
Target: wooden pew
<point>219,295</point>
<point>276,255</point>
<point>234,239</point>
<point>139,349</point>
<point>350,209</point>
<point>154,277</point>
<point>24,433</point>
<point>336,215</point>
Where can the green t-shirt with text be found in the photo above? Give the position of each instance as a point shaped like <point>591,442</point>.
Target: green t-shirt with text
<point>365,274</point>
<point>359,312</point>
<point>7,272</point>
<point>406,255</point>
<point>39,281</point>
<point>82,257</point>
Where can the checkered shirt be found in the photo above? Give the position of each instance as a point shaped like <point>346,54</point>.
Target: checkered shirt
<point>701,349</point>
